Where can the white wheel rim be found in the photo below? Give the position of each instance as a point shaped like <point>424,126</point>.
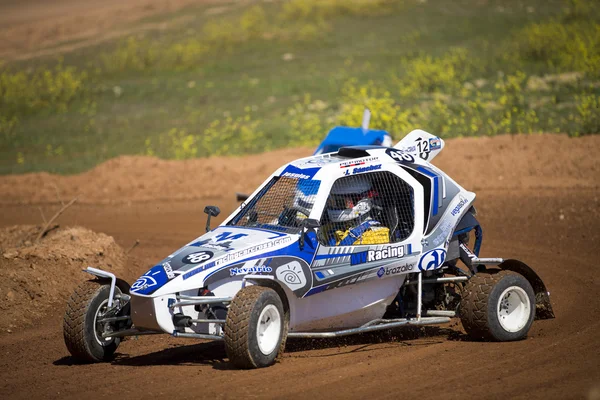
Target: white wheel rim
<point>99,313</point>
<point>513,309</point>
<point>268,329</point>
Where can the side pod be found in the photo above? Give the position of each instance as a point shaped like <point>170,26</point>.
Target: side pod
<point>543,308</point>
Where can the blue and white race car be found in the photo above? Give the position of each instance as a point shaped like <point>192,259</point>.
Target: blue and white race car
<point>362,239</point>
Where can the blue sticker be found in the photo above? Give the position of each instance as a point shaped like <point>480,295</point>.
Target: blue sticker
<point>433,259</point>
<point>435,143</point>
<point>358,258</point>
<point>148,283</point>
<point>436,203</point>
<point>229,236</point>
<point>298,173</point>
<point>308,188</point>
<point>370,168</point>
<point>195,271</point>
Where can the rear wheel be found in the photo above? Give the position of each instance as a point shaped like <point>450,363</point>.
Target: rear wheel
<point>82,326</point>
<point>255,327</point>
<point>497,306</point>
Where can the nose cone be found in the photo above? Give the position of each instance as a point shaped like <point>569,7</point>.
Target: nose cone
<point>152,280</point>
<point>221,247</point>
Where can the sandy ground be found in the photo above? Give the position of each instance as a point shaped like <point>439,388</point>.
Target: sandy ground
<point>35,271</point>
<point>538,200</point>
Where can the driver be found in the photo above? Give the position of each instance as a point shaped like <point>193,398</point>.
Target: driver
<point>352,208</point>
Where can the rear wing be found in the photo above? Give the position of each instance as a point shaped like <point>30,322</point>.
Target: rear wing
<point>421,144</point>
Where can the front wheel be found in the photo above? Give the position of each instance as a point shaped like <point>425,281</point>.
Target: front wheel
<point>82,326</point>
<point>255,328</point>
<point>497,306</point>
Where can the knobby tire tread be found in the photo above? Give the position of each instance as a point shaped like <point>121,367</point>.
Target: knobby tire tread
<point>238,326</point>
<point>474,304</point>
<point>74,320</point>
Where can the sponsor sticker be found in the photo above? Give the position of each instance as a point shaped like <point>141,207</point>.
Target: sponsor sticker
<point>354,163</point>
<point>292,275</point>
<point>443,232</point>
<point>320,161</point>
<point>250,270</point>
<point>366,169</point>
<point>385,253</point>
<point>294,172</point>
<point>152,279</point>
<point>435,143</point>
<point>218,246</point>
<point>253,249</point>
<point>394,270</point>
<point>433,259</point>
<point>143,283</point>
<point>223,236</point>
<point>456,210</point>
<point>295,175</point>
<point>195,271</point>
<point>168,270</point>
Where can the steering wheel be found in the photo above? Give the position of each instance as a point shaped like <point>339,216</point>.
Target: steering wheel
<point>288,216</point>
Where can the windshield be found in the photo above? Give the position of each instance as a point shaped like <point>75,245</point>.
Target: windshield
<point>281,205</point>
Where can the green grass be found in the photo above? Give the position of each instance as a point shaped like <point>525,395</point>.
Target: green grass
<point>266,79</point>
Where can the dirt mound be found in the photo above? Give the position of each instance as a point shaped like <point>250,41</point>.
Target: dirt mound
<point>552,161</point>
<point>35,276</point>
<point>136,178</point>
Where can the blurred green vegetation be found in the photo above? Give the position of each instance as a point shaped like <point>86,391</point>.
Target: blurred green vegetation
<point>268,74</point>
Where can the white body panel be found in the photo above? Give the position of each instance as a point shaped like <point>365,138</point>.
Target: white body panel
<point>345,307</point>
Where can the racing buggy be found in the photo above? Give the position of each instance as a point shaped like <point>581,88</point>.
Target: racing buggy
<point>363,239</point>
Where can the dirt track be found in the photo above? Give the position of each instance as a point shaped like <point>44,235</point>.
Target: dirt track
<point>538,200</point>
<point>31,28</point>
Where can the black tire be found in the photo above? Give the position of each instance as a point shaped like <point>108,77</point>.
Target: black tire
<point>485,317</point>
<point>81,335</point>
<point>242,326</point>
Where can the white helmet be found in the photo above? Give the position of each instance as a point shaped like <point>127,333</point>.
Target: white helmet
<point>349,199</point>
